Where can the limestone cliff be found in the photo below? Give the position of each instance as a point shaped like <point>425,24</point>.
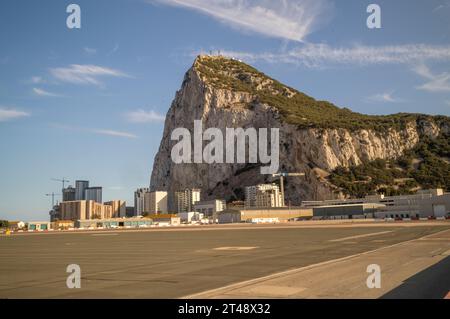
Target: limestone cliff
<point>315,136</point>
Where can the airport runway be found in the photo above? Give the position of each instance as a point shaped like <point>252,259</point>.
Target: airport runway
<point>195,262</point>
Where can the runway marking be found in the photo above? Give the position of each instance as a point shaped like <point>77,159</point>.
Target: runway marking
<point>435,251</point>
<point>360,236</point>
<point>235,248</point>
<point>110,234</point>
<point>271,291</point>
<point>296,270</point>
<point>375,224</point>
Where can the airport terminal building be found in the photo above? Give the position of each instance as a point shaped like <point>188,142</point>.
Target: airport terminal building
<point>261,215</point>
<point>348,211</point>
<point>424,204</point>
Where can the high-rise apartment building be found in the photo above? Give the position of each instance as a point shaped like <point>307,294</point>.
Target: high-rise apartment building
<point>263,195</point>
<point>118,208</point>
<point>69,194</point>
<point>185,200</point>
<point>80,187</point>
<point>84,209</point>
<point>93,193</point>
<point>157,202</point>
<point>141,201</point>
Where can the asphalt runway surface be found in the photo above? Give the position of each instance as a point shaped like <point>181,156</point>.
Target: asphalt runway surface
<point>180,262</point>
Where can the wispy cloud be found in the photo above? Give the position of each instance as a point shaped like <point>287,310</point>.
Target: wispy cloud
<point>7,114</point>
<point>107,132</point>
<point>85,74</point>
<point>442,6</point>
<point>141,116</point>
<point>323,55</point>
<point>115,133</point>
<point>114,49</point>
<point>436,82</point>
<point>36,80</point>
<point>447,102</point>
<point>90,51</point>
<point>387,97</point>
<point>42,92</point>
<point>286,19</point>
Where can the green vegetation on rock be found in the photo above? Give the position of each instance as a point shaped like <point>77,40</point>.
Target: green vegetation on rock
<point>425,166</point>
<point>295,107</point>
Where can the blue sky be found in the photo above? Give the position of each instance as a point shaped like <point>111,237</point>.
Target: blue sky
<point>89,103</point>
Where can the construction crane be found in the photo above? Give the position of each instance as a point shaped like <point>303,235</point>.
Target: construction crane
<point>63,181</point>
<point>52,194</point>
<point>282,176</point>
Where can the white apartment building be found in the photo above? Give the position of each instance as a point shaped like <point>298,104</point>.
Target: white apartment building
<point>157,202</point>
<point>185,200</point>
<point>141,201</point>
<point>263,195</point>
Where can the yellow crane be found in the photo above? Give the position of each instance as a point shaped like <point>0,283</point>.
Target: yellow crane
<point>282,176</point>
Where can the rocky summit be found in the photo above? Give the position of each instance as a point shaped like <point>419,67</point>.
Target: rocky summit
<point>342,153</point>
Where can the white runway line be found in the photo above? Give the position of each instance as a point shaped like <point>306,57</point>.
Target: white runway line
<point>360,236</point>
<point>241,284</point>
<point>235,248</point>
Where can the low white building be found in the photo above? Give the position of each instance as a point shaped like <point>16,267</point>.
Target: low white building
<point>189,217</point>
<point>210,208</point>
<point>264,220</point>
<point>39,226</point>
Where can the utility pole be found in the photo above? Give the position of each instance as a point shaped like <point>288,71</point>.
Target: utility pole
<point>282,176</point>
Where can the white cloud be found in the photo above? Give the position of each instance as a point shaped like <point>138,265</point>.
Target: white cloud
<point>96,131</point>
<point>442,6</point>
<point>90,51</point>
<point>84,74</point>
<point>447,102</point>
<point>322,55</point>
<point>141,116</point>
<point>286,19</point>
<point>42,92</point>
<point>115,133</point>
<point>36,80</point>
<point>7,114</point>
<point>436,82</point>
<point>386,97</point>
